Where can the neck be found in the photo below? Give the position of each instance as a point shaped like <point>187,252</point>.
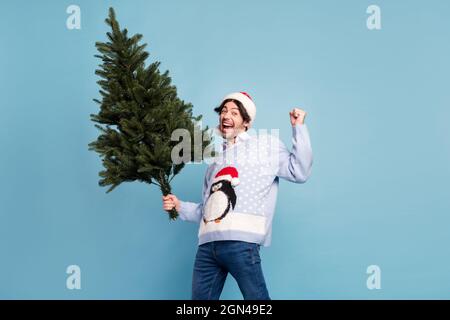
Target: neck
<point>231,141</point>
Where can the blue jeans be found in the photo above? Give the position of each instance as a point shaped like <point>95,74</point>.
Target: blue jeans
<point>215,259</point>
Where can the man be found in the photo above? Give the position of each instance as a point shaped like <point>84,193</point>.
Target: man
<point>239,196</point>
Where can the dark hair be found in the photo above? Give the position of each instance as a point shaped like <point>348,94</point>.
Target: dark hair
<point>240,106</point>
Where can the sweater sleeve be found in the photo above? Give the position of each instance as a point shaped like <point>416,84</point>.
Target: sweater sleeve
<point>191,211</point>
<point>296,166</point>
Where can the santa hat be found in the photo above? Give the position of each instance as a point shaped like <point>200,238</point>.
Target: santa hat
<point>227,173</point>
<point>247,102</point>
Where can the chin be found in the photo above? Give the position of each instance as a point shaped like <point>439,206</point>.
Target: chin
<point>228,135</point>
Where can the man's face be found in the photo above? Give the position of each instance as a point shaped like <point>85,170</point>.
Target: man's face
<point>231,121</point>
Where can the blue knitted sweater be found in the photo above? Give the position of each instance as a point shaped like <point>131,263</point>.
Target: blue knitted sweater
<point>241,184</point>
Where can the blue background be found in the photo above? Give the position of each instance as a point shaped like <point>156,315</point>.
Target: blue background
<point>378,112</point>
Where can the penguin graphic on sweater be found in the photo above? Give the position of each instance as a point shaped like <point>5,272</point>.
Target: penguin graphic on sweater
<point>222,198</point>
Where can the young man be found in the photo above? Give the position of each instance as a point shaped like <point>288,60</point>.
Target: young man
<point>239,196</point>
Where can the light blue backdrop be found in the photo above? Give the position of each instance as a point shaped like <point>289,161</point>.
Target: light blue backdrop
<point>378,115</point>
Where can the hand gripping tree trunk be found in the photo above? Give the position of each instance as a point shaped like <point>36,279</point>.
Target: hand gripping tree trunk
<point>166,189</point>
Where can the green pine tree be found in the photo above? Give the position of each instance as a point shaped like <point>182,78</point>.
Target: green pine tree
<point>139,110</point>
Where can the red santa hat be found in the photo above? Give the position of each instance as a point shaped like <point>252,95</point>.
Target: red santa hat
<point>228,173</point>
<point>247,102</point>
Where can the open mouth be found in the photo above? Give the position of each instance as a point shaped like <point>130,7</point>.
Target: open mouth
<point>227,126</point>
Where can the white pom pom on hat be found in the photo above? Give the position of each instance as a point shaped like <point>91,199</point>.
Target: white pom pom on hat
<point>247,102</point>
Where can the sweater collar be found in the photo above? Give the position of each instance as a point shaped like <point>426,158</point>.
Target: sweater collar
<point>243,136</point>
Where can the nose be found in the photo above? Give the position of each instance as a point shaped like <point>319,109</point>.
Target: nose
<point>227,116</point>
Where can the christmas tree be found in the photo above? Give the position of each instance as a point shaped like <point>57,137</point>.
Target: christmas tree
<point>139,110</point>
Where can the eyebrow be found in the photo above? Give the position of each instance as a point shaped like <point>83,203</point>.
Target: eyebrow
<point>232,108</point>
